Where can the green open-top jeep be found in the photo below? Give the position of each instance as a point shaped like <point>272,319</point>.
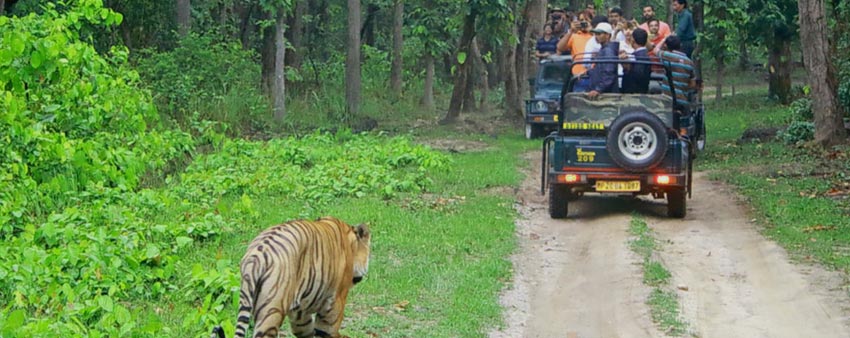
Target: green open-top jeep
<point>633,144</point>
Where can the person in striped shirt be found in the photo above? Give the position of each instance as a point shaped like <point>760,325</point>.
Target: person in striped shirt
<point>682,69</point>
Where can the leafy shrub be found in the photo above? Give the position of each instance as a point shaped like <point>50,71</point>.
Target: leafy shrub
<point>798,131</point>
<point>801,109</point>
<point>204,80</point>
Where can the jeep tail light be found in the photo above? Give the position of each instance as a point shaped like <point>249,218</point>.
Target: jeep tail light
<point>663,179</point>
<point>568,178</point>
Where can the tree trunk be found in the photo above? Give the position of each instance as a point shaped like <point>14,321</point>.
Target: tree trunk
<point>267,54</point>
<point>513,106</point>
<point>469,91</point>
<point>367,32</point>
<point>352,61</point>
<point>295,35</point>
<point>628,7</point>
<point>780,70</point>
<point>535,18</point>
<point>577,5</point>
<point>482,75</point>
<point>397,64</point>
<point>698,12</point>
<point>428,96</point>
<point>184,17</point>
<point>246,27</point>
<point>744,58</point>
<point>2,7</point>
<point>279,85</point>
<point>670,14</point>
<point>829,126</point>
<point>720,69</point>
<point>460,76</point>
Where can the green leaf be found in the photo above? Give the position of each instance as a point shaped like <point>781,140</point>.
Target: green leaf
<point>461,58</point>
<point>105,303</point>
<point>36,59</point>
<point>182,241</point>
<point>151,251</point>
<point>122,315</point>
<point>16,319</point>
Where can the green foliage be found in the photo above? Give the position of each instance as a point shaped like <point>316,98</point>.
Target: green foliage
<point>798,131</point>
<point>726,19</point>
<point>201,79</point>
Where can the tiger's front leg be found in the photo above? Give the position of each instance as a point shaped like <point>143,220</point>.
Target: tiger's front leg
<point>329,317</point>
<point>302,324</point>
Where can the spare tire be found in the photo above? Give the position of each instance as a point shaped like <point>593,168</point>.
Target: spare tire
<point>637,141</point>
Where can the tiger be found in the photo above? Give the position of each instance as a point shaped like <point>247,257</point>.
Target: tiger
<point>298,269</point>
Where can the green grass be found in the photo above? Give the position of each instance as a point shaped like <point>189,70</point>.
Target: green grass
<point>801,194</point>
<point>437,264</point>
<point>663,304</point>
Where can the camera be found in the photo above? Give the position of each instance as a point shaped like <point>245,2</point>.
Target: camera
<point>583,24</point>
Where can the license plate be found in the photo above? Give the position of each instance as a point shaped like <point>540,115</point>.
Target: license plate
<point>617,185</point>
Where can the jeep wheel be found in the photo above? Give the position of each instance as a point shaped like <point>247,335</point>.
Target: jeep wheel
<point>559,196</point>
<point>533,131</point>
<point>637,141</point>
<point>677,203</point>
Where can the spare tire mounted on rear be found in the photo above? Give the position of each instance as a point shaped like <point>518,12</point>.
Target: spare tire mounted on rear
<point>637,141</point>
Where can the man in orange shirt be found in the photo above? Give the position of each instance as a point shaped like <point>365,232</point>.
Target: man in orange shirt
<point>656,37</point>
<point>575,41</point>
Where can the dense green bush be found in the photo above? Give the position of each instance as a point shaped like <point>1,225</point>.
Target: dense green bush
<point>202,79</point>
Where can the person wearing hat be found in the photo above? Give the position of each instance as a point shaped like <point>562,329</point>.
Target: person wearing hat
<point>603,76</point>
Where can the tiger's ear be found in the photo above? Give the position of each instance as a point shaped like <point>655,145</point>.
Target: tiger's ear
<point>362,231</point>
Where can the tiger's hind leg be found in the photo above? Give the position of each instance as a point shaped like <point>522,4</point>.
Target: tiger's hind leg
<point>329,317</point>
<point>302,324</point>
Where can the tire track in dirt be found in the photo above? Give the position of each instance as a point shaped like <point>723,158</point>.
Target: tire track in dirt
<point>575,277</point>
<point>578,278</point>
<point>741,284</point>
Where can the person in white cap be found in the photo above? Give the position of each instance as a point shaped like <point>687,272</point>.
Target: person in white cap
<point>603,76</point>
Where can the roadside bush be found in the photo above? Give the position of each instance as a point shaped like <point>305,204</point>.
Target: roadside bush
<point>801,109</point>
<point>798,131</point>
<point>204,80</point>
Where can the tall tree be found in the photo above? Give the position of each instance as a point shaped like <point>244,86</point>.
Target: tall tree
<point>461,73</point>
<point>628,7</point>
<point>722,29</point>
<point>184,17</point>
<point>295,34</point>
<point>530,28</point>
<point>398,40</point>
<point>352,61</point>
<point>829,126</point>
<point>279,86</point>
<point>773,21</point>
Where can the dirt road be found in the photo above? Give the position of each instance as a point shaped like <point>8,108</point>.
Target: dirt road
<point>578,278</point>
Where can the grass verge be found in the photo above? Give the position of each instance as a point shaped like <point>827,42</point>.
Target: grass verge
<point>437,265</point>
<point>800,193</point>
<point>663,303</point>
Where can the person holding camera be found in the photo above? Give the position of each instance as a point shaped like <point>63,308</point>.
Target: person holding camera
<point>575,41</point>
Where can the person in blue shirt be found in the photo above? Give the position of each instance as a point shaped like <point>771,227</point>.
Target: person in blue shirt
<point>547,45</point>
<point>685,26</point>
<point>603,76</point>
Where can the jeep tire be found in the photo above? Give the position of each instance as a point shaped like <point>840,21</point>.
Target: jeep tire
<point>637,141</point>
<point>559,197</point>
<point>677,203</point>
<point>533,131</point>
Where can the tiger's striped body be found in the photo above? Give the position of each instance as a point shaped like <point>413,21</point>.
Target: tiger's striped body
<point>298,269</point>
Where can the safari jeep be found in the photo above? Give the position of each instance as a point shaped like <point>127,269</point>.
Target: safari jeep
<point>635,144</point>
<point>542,109</point>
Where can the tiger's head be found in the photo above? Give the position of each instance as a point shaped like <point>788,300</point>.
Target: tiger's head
<point>361,251</point>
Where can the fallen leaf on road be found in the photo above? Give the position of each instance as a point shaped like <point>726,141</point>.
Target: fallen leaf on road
<point>682,287</point>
